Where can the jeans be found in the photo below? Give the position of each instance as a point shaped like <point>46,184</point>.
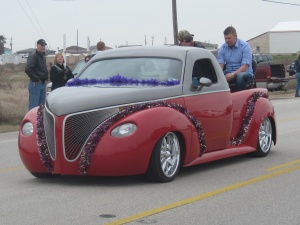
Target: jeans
<point>37,94</point>
<point>298,84</point>
<point>241,80</point>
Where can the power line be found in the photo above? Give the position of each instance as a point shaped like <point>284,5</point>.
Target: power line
<point>29,19</point>
<point>38,22</point>
<point>286,3</point>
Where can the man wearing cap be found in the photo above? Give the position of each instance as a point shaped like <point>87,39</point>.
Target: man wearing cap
<point>36,69</point>
<point>186,39</point>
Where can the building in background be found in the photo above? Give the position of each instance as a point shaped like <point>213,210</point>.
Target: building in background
<point>28,51</point>
<point>74,50</point>
<point>7,51</point>
<point>282,39</point>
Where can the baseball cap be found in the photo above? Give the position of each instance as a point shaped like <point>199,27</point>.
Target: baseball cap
<point>41,42</point>
<point>184,35</point>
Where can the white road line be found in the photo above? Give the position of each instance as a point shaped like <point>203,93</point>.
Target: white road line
<point>8,141</point>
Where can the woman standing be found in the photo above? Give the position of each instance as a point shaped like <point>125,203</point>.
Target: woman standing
<point>59,73</point>
<point>297,67</point>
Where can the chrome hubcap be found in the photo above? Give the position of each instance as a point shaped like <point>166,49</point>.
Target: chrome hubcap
<point>169,154</point>
<point>265,135</point>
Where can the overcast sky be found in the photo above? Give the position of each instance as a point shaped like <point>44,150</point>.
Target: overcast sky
<point>121,22</point>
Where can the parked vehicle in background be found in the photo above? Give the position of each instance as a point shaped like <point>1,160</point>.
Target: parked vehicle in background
<point>269,75</point>
<point>79,65</point>
<point>263,59</point>
<point>291,69</point>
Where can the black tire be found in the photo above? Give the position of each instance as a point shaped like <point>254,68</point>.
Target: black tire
<point>165,159</point>
<point>44,175</point>
<point>265,137</point>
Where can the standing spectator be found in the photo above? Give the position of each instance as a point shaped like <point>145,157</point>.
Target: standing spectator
<point>87,58</point>
<point>297,67</point>
<point>59,73</point>
<point>36,69</point>
<point>236,55</point>
<point>186,39</point>
<point>100,46</point>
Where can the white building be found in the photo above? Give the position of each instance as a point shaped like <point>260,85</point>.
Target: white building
<point>284,38</point>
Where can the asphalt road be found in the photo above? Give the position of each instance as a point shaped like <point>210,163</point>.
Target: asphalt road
<point>236,191</point>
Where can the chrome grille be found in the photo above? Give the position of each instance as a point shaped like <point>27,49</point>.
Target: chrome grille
<point>49,126</point>
<point>78,127</point>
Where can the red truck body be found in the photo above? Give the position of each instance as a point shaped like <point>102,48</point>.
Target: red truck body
<point>271,76</point>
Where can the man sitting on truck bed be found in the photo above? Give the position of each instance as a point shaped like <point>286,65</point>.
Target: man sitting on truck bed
<point>235,58</point>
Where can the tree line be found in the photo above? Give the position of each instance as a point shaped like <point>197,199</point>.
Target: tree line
<point>2,42</point>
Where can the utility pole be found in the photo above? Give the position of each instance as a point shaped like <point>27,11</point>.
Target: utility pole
<point>10,45</point>
<point>175,25</point>
<point>152,39</point>
<point>77,40</point>
<point>64,48</point>
<point>145,40</point>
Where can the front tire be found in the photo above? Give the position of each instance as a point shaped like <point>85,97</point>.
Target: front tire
<point>165,160</point>
<point>264,141</point>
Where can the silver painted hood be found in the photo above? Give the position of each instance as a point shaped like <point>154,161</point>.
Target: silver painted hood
<point>68,100</point>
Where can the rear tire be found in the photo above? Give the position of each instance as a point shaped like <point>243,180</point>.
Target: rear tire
<point>165,160</point>
<point>264,141</point>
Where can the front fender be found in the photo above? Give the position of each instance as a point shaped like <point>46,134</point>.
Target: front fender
<point>28,148</point>
<point>132,153</point>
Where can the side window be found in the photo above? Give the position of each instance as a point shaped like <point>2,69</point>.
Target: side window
<point>270,58</point>
<point>204,68</point>
<point>265,58</point>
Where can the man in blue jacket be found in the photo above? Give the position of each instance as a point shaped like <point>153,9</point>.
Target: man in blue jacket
<point>36,69</point>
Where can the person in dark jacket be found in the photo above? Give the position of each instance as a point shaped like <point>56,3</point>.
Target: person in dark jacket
<point>186,39</point>
<point>36,69</point>
<point>59,73</point>
<point>297,67</point>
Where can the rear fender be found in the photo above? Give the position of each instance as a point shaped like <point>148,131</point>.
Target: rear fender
<point>263,109</point>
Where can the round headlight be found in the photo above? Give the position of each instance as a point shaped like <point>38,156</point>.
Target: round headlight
<point>27,129</point>
<point>123,130</point>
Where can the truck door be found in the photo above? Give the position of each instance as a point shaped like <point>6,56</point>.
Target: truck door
<point>212,106</point>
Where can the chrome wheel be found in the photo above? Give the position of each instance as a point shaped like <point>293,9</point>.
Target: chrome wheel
<point>169,154</point>
<point>165,159</point>
<point>264,138</point>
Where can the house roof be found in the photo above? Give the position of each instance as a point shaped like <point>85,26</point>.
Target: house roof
<point>257,36</point>
<point>287,26</point>
<point>73,48</point>
<point>30,50</point>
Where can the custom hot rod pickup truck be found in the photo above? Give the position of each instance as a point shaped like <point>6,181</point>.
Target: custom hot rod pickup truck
<point>145,110</point>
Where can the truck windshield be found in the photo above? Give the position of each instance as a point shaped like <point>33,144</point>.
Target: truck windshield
<point>161,69</point>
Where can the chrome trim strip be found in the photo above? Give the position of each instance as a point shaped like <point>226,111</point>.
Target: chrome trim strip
<point>49,135</point>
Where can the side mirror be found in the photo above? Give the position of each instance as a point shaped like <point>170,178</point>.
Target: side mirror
<point>200,82</point>
<point>205,82</point>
